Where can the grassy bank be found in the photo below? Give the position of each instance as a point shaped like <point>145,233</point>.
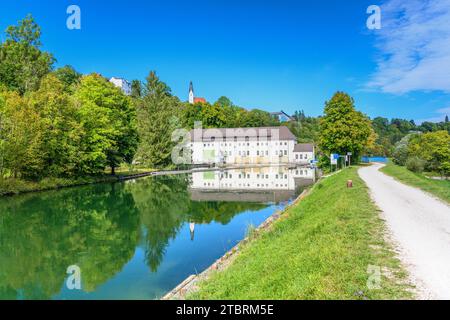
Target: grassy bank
<point>439,188</point>
<point>11,186</point>
<point>320,249</point>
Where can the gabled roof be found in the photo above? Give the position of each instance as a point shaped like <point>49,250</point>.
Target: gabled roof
<point>268,133</point>
<point>304,147</point>
<point>282,113</point>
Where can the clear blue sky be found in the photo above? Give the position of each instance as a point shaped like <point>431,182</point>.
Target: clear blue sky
<point>271,55</point>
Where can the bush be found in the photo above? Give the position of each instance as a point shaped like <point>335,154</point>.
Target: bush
<point>415,164</point>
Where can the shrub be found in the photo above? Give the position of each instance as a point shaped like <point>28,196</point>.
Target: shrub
<point>415,164</point>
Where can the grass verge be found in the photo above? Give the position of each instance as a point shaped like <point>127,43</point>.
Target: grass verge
<point>11,186</point>
<point>322,248</point>
<point>439,188</point>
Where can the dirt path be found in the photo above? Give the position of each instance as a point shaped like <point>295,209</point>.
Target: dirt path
<point>420,227</point>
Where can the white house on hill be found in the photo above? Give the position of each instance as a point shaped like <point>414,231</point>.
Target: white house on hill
<point>122,84</point>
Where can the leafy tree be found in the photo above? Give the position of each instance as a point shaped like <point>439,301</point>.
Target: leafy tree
<point>156,123</point>
<point>434,148</point>
<point>136,89</point>
<point>109,125</point>
<point>21,135</point>
<point>61,129</point>
<point>68,76</point>
<point>343,129</point>
<point>22,64</point>
<point>401,152</point>
<point>224,102</point>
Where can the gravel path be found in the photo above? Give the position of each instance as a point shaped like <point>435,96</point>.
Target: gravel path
<point>420,227</point>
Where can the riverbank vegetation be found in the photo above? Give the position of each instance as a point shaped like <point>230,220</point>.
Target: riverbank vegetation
<point>325,247</point>
<point>424,152</point>
<point>56,123</point>
<point>439,188</point>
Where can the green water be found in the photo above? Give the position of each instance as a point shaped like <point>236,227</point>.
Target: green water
<point>130,240</point>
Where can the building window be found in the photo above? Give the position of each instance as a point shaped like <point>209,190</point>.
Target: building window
<point>296,156</point>
<point>285,152</point>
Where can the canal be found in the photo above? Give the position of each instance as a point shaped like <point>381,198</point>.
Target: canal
<point>136,239</point>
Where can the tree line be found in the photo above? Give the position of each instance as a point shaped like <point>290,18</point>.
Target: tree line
<point>59,123</point>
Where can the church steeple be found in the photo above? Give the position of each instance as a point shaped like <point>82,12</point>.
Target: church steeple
<point>191,93</point>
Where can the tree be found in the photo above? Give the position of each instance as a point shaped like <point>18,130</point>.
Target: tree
<point>343,129</point>
<point>224,102</point>
<point>61,129</point>
<point>434,148</point>
<point>21,136</point>
<point>68,76</point>
<point>136,89</point>
<point>156,123</point>
<point>109,125</point>
<point>22,64</point>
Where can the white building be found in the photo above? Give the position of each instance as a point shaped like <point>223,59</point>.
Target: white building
<point>122,84</point>
<point>265,145</point>
<point>304,153</point>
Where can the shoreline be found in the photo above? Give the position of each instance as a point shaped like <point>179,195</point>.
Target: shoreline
<point>188,285</point>
<point>121,178</point>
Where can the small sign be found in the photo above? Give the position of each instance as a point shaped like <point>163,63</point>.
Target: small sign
<point>334,158</point>
<point>349,153</point>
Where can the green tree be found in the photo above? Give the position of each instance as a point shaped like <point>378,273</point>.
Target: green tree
<point>22,63</point>
<point>21,135</point>
<point>61,129</point>
<point>342,128</point>
<point>68,76</point>
<point>224,102</point>
<point>156,122</point>
<point>136,89</point>
<point>434,148</point>
<point>109,125</point>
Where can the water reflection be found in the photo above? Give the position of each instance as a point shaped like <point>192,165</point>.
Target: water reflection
<point>103,228</point>
<point>264,184</point>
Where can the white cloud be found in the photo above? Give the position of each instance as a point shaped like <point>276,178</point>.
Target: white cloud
<point>440,116</point>
<point>414,47</point>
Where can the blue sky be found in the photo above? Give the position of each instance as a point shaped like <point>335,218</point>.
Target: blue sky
<point>271,55</point>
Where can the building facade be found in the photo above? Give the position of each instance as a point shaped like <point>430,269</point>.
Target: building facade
<point>123,84</point>
<point>264,145</point>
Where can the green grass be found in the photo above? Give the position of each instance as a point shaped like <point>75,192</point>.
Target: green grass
<point>321,249</point>
<point>11,186</point>
<point>439,188</point>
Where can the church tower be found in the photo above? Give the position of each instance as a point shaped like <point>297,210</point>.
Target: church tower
<point>191,93</point>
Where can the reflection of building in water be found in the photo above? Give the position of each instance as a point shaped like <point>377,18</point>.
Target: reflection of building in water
<point>271,145</point>
<point>268,184</point>
<point>192,229</point>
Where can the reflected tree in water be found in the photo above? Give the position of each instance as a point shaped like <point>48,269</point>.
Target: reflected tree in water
<point>88,227</point>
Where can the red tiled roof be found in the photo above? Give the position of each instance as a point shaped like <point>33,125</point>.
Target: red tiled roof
<point>199,100</point>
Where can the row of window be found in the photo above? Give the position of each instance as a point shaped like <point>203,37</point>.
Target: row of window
<point>241,144</point>
<point>258,185</point>
<point>300,156</point>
